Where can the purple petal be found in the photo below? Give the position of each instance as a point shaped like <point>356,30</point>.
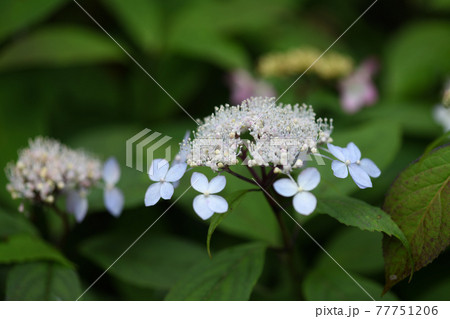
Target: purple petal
<point>360,177</point>
<point>114,201</point>
<point>370,168</point>
<point>77,205</point>
<point>111,171</point>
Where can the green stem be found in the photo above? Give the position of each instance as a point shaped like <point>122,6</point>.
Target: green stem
<point>66,225</point>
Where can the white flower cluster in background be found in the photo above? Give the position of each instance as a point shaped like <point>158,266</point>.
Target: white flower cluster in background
<point>273,134</point>
<point>48,169</point>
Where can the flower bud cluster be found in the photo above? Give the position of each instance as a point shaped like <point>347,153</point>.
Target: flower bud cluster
<point>47,168</point>
<point>258,132</point>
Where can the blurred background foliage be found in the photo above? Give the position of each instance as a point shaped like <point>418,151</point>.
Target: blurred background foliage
<point>62,76</point>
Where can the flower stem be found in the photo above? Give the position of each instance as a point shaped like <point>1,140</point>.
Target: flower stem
<point>248,180</point>
<point>66,225</point>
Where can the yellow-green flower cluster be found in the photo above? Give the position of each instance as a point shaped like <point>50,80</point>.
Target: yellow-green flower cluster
<point>330,66</point>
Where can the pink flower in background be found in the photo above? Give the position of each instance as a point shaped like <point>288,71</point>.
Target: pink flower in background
<point>244,86</point>
<point>357,90</point>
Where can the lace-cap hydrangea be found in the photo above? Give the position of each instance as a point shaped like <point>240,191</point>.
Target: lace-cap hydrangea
<point>269,134</point>
<point>258,132</point>
<point>48,169</point>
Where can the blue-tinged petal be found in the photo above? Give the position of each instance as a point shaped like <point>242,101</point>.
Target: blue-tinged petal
<point>77,205</point>
<point>153,194</point>
<point>337,152</point>
<point>370,168</point>
<point>360,177</point>
<point>339,169</point>
<point>111,172</point>
<point>285,187</point>
<point>199,182</point>
<point>200,205</point>
<point>217,184</point>
<point>158,169</point>
<point>354,154</point>
<point>217,204</point>
<point>166,190</point>
<point>304,203</point>
<point>309,178</point>
<point>176,172</point>
<point>114,201</point>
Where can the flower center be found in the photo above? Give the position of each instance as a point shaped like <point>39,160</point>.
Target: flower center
<point>358,162</point>
<point>300,189</point>
<point>162,180</point>
<point>347,162</point>
<point>206,193</point>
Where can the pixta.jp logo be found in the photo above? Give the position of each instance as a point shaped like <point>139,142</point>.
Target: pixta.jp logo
<point>142,146</point>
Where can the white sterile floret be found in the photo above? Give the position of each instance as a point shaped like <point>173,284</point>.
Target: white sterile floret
<point>112,196</point>
<point>304,201</point>
<point>349,160</point>
<point>164,175</point>
<point>206,204</point>
<point>77,204</point>
<point>276,134</point>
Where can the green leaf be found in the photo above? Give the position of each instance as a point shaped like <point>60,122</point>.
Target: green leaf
<point>42,281</point>
<point>59,46</point>
<point>354,212</point>
<point>332,284</point>
<point>23,248</point>
<point>355,250</point>
<point>417,59</point>
<point>418,202</point>
<point>16,15</point>
<point>230,275</point>
<point>154,261</point>
<point>142,19</point>
<point>233,200</point>
<point>15,223</point>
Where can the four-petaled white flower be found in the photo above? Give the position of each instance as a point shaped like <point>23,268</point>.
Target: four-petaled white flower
<point>349,160</point>
<point>304,201</point>
<point>112,196</point>
<point>164,177</point>
<point>206,204</point>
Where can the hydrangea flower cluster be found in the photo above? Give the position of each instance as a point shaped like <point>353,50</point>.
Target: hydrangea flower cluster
<point>265,133</point>
<point>330,66</point>
<point>258,133</point>
<point>47,170</point>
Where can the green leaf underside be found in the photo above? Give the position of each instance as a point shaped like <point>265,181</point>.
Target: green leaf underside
<point>354,212</point>
<point>154,261</point>
<point>419,202</point>
<point>230,275</point>
<point>233,200</point>
<point>42,281</point>
<point>332,284</point>
<point>23,248</point>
